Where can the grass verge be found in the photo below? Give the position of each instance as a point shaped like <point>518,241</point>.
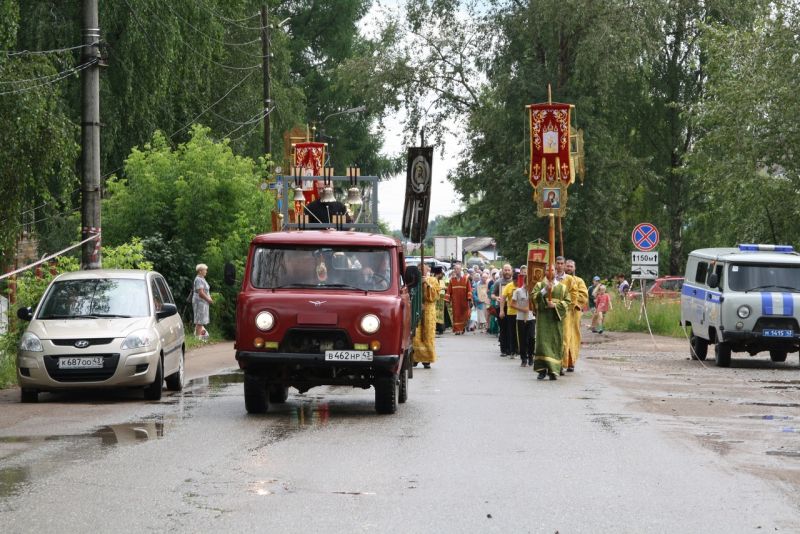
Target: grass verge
<point>664,317</point>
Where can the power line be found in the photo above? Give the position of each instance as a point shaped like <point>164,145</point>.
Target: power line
<point>201,32</point>
<point>45,52</point>
<point>235,22</point>
<point>60,76</point>
<point>190,48</point>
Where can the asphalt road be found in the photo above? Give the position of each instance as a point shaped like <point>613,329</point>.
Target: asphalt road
<point>639,439</point>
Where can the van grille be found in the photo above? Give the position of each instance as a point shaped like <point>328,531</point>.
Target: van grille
<point>71,342</point>
<point>314,341</point>
<point>81,375</point>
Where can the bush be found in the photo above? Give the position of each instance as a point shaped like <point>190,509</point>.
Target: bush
<point>664,317</point>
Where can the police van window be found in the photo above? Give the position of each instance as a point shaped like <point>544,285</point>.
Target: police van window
<point>702,271</point>
<point>719,270</point>
<point>759,277</point>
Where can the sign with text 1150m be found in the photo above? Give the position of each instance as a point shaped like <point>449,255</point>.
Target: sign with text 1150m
<point>644,258</point>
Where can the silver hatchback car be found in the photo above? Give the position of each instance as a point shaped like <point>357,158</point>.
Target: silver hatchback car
<point>102,329</point>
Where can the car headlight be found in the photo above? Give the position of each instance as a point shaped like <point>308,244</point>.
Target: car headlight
<point>370,323</point>
<point>30,342</point>
<point>137,340</point>
<point>743,311</point>
<point>265,321</point>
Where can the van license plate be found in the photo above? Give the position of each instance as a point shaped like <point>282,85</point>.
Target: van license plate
<point>775,332</point>
<point>81,362</point>
<point>348,355</point>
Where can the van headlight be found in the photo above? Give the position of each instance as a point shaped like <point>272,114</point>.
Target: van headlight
<point>137,340</point>
<point>265,321</point>
<point>370,323</point>
<point>30,342</point>
<point>743,311</point>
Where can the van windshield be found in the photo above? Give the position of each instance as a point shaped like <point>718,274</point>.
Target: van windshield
<point>361,268</point>
<point>756,277</point>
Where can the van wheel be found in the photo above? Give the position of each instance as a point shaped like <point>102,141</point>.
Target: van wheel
<point>28,395</point>
<point>402,394</point>
<point>255,394</point>
<point>699,347</point>
<point>386,395</point>
<point>722,351</point>
<point>175,380</point>
<point>777,355</point>
<point>278,394</point>
<point>153,391</point>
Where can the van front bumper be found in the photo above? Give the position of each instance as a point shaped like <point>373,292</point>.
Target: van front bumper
<point>256,359</point>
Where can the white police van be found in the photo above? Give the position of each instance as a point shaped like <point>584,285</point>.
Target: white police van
<point>744,299</point>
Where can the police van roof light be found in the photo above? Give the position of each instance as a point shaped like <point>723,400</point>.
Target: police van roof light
<point>771,248</point>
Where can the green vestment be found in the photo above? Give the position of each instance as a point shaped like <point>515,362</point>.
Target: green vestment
<point>549,327</point>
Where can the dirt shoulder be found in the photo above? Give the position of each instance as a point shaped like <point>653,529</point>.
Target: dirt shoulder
<point>747,414</point>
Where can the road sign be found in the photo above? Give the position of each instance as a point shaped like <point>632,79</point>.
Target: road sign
<point>644,258</point>
<point>644,272</point>
<point>645,237</point>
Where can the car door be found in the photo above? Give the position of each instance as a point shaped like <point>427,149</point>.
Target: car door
<point>167,331</point>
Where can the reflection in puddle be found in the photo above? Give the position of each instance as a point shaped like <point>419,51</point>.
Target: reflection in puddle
<point>24,462</point>
<point>774,404</point>
<point>790,454</point>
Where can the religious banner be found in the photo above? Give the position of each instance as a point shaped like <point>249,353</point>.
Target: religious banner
<point>418,193</point>
<point>310,157</point>
<point>537,261</point>
<point>550,144</point>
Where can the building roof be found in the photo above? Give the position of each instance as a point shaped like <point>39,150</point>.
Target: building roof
<point>473,244</point>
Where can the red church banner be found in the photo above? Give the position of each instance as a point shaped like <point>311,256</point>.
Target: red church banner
<point>550,160</point>
<point>311,158</point>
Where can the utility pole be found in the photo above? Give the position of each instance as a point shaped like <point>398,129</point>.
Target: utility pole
<point>90,138</point>
<point>265,68</point>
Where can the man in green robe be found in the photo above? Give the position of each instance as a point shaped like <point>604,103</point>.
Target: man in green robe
<point>552,302</point>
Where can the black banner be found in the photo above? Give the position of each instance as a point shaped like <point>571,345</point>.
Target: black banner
<point>418,193</point>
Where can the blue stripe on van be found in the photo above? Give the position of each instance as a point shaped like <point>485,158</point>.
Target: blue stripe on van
<point>766,303</point>
<point>788,304</point>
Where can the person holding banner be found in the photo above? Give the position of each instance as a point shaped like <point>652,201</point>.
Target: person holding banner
<point>550,299</point>
<point>459,295</point>
<point>425,335</point>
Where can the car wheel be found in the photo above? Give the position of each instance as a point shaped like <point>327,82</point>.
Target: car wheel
<point>255,394</point>
<point>175,380</point>
<point>278,394</point>
<point>386,394</point>
<point>777,355</point>
<point>722,352</point>
<point>699,347</point>
<point>28,395</point>
<point>402,394</point>
<point>153,391</point>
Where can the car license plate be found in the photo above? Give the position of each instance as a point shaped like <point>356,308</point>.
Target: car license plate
<point>348,355</point>
<point>81,362</point>
<point>776,332</point>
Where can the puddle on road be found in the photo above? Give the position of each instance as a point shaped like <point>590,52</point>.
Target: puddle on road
<point>774,404</point>
<point>611,421</point>
<point>74,448</point>
<point>789,454</point>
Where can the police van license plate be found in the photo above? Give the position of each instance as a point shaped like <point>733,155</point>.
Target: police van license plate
<point>81,362</point>
<point>348,355</point>
<point>777,332</point>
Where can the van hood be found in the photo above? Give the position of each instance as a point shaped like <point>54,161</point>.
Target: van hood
<point>87,328</point>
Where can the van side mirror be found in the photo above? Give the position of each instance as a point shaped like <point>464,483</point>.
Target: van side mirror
<point>229,276</point>
<point>713,280</point>
<point>26,314</point>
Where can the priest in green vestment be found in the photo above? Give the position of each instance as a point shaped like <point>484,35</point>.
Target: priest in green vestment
<point>552,302</point>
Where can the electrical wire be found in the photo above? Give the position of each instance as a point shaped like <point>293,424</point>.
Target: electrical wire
<point>210,37</point>
<point>235,22</point>
<point>45,52</point>
<point>38,78</point>
<point>191,49</point>
<point>61,76</point>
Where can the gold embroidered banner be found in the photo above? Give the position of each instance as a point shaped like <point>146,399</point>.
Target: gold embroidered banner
<point>550,158</point>
<point>311,158</point>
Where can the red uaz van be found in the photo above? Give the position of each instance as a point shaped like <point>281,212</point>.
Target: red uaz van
<point>323,307</point>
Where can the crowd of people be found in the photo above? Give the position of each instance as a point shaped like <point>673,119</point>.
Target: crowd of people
<point>540,324</point>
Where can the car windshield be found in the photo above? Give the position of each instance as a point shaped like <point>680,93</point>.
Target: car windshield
<point>756,277</point>
<point>96,297</point>
<point>366,269</point>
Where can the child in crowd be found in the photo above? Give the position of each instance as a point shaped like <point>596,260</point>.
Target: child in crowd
<point>602,302</point>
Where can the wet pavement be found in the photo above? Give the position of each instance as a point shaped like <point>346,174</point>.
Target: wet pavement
<point>639,439</point>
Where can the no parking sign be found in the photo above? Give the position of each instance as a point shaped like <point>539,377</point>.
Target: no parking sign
<point>645,237</point>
